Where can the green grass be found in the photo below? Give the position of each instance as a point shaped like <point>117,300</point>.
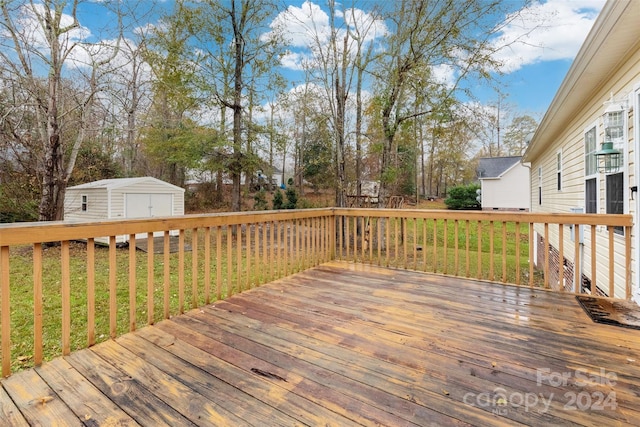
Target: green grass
<point>419,234</point>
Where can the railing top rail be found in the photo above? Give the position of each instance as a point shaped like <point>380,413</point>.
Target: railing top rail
<point>55,231</point>
<point>613,220</point>
<point>41,232</point>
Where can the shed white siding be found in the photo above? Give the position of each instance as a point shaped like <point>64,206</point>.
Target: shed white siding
<point>507,192</point>
<point>123,198</point>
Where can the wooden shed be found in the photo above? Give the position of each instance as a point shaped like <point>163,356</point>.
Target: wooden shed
<point>118,198</point>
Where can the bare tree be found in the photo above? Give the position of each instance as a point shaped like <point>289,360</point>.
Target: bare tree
<point>452,36</point>
<point>38,40</point>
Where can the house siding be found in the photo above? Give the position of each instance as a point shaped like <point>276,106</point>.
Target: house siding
<point>571,143</point>
<point>96,208</point>
<point>502,194</point>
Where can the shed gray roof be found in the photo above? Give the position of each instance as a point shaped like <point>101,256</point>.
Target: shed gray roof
<point>495,167</point>
<point>123,182</point>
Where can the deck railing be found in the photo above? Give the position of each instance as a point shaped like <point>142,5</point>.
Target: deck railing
<point>61,291</point>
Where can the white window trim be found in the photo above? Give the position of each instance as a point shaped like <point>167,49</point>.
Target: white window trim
<point>624,168</point>
<point>559,170</point>
<point>539,195</point>
<point>84,201</point>
<point>635,103</point>
<point>593,125</point>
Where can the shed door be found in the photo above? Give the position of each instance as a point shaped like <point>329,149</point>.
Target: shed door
<point>147,205</point>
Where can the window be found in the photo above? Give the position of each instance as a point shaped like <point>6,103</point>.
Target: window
<point>591,195</point>
<point>559,170</point>
<point>590,172</point>
<point>615,196</point>
<point>85,202</point>
<point>539,185</point>
<point>590,160</point>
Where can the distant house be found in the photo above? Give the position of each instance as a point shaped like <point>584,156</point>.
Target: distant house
<point>142,197</point>
<point>504,183</point>
<point>585,154</point>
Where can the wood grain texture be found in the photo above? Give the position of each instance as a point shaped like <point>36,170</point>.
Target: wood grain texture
<point>347,344</point>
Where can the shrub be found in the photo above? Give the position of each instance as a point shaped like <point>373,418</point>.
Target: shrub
<point>463,197</point>
<point>260,201</point>
<point>278,200</point>
<point>292,198</point>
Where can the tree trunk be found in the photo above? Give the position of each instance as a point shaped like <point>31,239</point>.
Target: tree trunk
<point>236,169</point>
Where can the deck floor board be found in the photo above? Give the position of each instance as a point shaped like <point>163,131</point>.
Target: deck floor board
<point>349,344</point>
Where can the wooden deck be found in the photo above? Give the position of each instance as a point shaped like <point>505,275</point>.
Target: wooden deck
<point>346,344</point>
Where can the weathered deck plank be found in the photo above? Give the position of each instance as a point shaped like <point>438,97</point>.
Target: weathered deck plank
<point>346,344</point>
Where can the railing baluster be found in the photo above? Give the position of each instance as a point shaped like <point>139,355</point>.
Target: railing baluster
<point>238,229</point>
<point>364,238</point>
<point>518,272</point>
<point>271,249</point>
<point>546,255</point>
<point>397,243</point>
<point>132,282</point>
<point>166,274</point>
<point>218,263</point>
<point>37,304</point>
<point>387,243</point>
<point>445,249</point>
<point>479,267</point>
<point>405,242</point>
<point>248,256</point>
<point>504,251</point>
<point>286,235</point>
<point>150,278</point>
<point>113,307</point>
<point>577,285</point>
<point>181,243</point>
<point>207,265</point>
<point>434,259</point>
<point>194,268</point>
<point>594,276</point>
<point>91,291</point>
<point>278,249</point>
<point>611,261</point>
<point>492,276</point>
<point>6,311</point>
<point>415,243</point>
<point>229,243</point>
<point>627,267</point>
<point>347,237</point>
<point>561,256</point>
<point>531,261</point>
<point>379,239</point>
<point>66,298</point>
<point>424,244</point>
<point>467,250</point>
<point>258,264</point>
<point>456,236</point>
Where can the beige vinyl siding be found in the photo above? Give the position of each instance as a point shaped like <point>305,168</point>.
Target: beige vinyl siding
<point>571,143</point>
<point>96,208</point>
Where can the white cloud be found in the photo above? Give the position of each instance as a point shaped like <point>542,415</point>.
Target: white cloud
<point>548,31</point>
<point>303,25</point>
<point>29,25</point>
<point>307,30</point>
<point>444,74</point>
<point>365,23</point>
